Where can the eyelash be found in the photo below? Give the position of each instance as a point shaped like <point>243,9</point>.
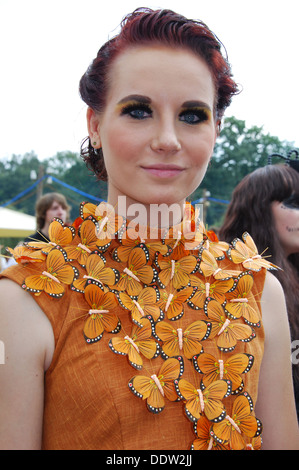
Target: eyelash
<point>130,108</point>
<point>291,202</point>
<point>201,113</point>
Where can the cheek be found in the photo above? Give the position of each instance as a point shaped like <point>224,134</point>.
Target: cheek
<point>120,146</point>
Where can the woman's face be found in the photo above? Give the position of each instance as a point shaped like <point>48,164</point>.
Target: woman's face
<point>158,130</point>
<point>286,218</point>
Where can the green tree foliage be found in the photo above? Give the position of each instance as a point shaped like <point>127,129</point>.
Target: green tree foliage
<point>239,150</point>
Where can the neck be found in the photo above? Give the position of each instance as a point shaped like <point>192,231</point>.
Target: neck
<point>150,215</point>
<point>45,230</point>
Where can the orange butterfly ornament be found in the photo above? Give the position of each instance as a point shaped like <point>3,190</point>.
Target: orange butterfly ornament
<point>100,317</point>
<point>212,244</point>
<point>206,287</point>
<point>203,439</point>
<point>59,234</point>
<point>238,302</point>
<point>24,255</point>
<point>187,342</point>
<point>241,423</point>
<point>176,273</point>
<point>52,280</point>
<point>108,222</point>
<point>139,343</point>
<point>142,305</point>
<point>157,387</point>
<point>137,273</point>
<point>207,401</point>
<point>172,303</point>
<point>131,239</point>
<point>87,244</point>
<point>230,369</point>
<point>210,268</point>
<point>226,332</point>
<point>245,252</point>
<point>96,270</point>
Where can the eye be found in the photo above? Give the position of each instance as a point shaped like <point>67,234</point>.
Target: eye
<point>137,111</point>
<point>195,116</point>
<point>292,202</point>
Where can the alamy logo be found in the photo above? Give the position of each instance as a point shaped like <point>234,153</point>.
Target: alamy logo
<point>2,353</point>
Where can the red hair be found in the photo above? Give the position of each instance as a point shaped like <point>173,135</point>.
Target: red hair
<point>145,26</point>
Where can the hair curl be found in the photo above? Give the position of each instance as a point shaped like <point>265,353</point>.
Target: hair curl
<point>145,26</point>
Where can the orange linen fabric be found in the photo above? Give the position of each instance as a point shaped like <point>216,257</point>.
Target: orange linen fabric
<point>88,404</point>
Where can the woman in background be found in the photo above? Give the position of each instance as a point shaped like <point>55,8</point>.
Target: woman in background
<point>266,204</point>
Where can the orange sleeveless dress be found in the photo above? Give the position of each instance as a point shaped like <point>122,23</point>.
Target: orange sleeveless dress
<point>156,346</point>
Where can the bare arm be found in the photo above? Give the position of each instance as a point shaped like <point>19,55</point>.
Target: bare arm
<point>276,405</point>
<point>28,341</point>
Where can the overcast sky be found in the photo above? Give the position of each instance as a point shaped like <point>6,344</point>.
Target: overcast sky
<point>46,45</point>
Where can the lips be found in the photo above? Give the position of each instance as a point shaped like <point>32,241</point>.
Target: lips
<point>163,171</point>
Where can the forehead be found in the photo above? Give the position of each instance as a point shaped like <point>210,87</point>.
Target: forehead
<point>55,204</point>
<point>165,72</point>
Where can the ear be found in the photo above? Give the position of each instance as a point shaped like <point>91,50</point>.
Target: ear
<point>93,127</point>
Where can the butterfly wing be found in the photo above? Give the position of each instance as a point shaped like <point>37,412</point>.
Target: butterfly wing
<point>93,328</point>
<point>143,338</point>
<point>208,365</point>
<point>165,273</point>
<point>175,307</point>
<point>235,366</point>
<point>213,395</point>
<point>57,266</point>
<point>248,424</point>
<point>188,392</point>
<point>146,388</point>
<point>126,346</point>
<point>61,234</point>
<point>171,370</point>
<point>194,333</point>
<point>148,301</point>
<point>23,255</point>
<point>154,389</point>
<point>35,284</point>
<point>169,335</point>
<point>100,316</point>
<point>95,267</point>
<point>234,332</point>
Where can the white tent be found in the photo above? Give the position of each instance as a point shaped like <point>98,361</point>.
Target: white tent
<point>16,224</point>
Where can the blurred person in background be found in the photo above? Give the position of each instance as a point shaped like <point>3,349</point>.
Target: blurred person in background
<point>50,205</point>
<point>266,205</point>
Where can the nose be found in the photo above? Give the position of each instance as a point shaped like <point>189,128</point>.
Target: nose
<point>165,138</point>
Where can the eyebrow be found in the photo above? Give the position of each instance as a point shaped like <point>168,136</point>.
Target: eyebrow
<point>147,100</point>
<point>138,98</point>
<point>195,104</point>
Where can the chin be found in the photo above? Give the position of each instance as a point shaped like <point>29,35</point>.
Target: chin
<point>168,199</point>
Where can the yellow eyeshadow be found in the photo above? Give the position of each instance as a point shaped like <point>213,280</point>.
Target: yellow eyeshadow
<point>130,104</point>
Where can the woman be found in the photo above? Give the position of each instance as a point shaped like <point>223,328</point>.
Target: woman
<point>266,204</point>
<point>47,207</point>
<point>129,349</point>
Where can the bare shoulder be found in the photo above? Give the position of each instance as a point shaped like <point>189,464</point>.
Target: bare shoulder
<point>275,404</point>
<point>274,308</point>
<point>21,317</point>
<point>27,337</point>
